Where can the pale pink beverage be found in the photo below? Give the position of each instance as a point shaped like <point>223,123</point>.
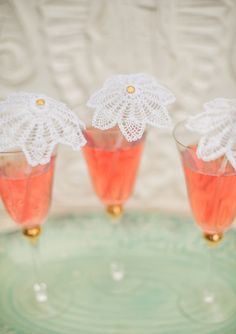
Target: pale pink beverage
<point>25,190</point>
<point>211,190</point>
<point>113,164</point>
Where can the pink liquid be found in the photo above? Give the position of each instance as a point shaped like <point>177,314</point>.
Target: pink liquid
<point>212,192</point>
<point>27,199</point>
<point>113,164</point>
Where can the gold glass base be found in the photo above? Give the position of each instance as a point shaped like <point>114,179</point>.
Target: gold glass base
<point>32,233</point>
<point>115,211</point>
<point>213,239</point>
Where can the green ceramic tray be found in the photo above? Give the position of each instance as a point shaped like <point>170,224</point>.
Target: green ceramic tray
<point>159,256</point>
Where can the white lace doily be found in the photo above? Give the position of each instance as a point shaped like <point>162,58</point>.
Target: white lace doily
<point>217,127</point>
<point>35,124</point>
<point>131,102</point>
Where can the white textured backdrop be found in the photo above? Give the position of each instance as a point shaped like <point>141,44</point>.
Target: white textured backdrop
<point>67,48</point>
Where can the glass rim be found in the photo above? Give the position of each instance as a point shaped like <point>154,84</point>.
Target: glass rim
<point>175,137</point>
<point>93,129</point>
<point>113,129</point>
<point>21,152</point>
<point>11,152</point>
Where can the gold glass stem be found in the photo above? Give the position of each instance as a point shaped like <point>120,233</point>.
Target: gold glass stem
<point>115,211</point>
<point>213,239</point>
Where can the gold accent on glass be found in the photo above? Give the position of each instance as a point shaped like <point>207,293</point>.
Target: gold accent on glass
<point>115,211</point>
<point>32,233</point>
<point>213,239</point>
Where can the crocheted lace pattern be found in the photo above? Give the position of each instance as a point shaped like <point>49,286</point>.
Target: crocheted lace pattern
<point>217,127</point>
<point>35,124</point>
<point>131,102</point>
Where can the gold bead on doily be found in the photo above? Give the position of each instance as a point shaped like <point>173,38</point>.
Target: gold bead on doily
<point>130,89</point>
<point>40,102</point>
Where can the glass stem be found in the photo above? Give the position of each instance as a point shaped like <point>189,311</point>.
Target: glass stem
<point>213,240</point>
<point>208,290</point>
<point>40,288</point>
<point>117,267</point>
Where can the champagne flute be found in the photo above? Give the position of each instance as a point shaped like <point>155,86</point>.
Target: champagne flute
<point>113,164</point>
<point>26,194</point>
<point>34,124</point>
<point>211,187</point>
<point>124,106</point>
